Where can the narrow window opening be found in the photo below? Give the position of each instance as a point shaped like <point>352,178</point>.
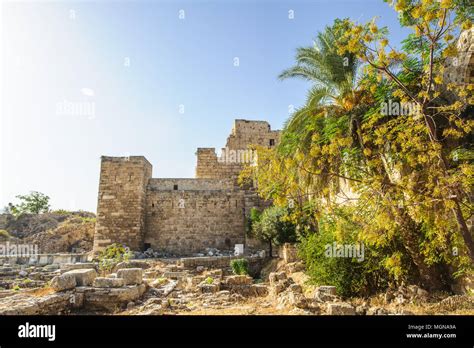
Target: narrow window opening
<point>272,142</point>
<point>175,187</point>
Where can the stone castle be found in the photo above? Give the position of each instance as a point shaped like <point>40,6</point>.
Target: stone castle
<point>181,216</point>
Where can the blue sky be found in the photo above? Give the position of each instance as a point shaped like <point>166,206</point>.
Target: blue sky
<point>159,85</point>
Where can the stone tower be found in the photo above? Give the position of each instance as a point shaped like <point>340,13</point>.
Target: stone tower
<point>121,202</point>
<point>244,133</point>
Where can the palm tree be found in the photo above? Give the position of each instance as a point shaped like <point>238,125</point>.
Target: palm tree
<point>334,90</point>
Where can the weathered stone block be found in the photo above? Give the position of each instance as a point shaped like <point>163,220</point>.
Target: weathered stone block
<point>209,288</point>
<point>113,298</point>
<point>65,267</point>
<point>238,280</point>
<point>102,282</point>
<point>131,275</point>
<point>341,308</point>
<point>132,264</point>
<point>63,282</point>
<point>84,277</point>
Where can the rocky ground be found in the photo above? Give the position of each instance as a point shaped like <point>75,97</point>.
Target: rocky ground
<point>157,287</point>
<point>54,232</point>
<point>155,283</point>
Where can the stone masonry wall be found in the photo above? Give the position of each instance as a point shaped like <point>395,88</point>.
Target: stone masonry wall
<point>121,202</point>
<point>189,184</point>
<point>188,221</point>
<point>209,167</point>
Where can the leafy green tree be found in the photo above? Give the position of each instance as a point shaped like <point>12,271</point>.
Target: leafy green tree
<point>33,203</point>
<point>435,124</point>
<point>273,227</point>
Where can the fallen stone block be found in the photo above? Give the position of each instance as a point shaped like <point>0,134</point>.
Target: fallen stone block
<point>84,277</point>
<point>238,280</point>
<point>111,299</point>
<point>63,282</point>
<point>325,293</point>
<point>168,288</point>
<point>131,275</point>
<point>132,264</point>
<point>209,288</point>
<point>341,308</point>
<point>65,267</point>
<point>102,282</point>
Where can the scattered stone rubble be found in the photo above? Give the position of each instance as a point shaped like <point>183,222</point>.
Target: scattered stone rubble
<point>153,254</point>
<point>202,285</point>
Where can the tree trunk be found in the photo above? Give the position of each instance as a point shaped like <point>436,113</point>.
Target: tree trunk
<point>270,248</point>
<point>430,277</point>
<point>453,193</point>
<point>466,234</point>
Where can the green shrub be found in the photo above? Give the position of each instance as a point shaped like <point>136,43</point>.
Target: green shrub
<point>112,255</point>
<point>240,266</point>
<point>209,280</point>
<point>16,287</point>
<point>350,276</point>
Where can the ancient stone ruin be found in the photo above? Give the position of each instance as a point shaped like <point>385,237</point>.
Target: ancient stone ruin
<point>181,216</point>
